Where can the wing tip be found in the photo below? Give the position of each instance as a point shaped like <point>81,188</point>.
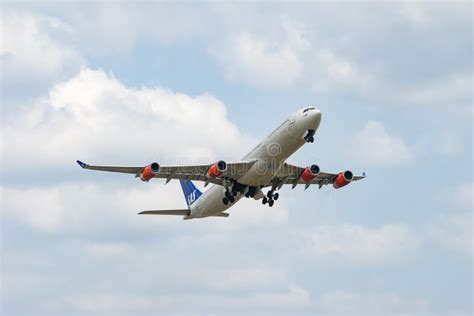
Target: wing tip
<point>82,164</point>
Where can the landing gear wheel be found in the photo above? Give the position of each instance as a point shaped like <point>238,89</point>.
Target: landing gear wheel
<point>225,201</point>
<point>270,203</point>
<point>276,196</point>
<point>269,194</point>
<point>234,193</point>
<point>264,201</point>
<point>232,199</point>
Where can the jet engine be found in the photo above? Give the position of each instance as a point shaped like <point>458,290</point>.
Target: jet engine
<point>309,173</point>
<point>149,171</point>
<point>217,169</point>
<point>343,179</point>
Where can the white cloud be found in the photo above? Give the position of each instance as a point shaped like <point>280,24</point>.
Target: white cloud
<point>108,249</point>
<point>454,232</point>
<point>86,207</point>
<point>293,297</point>
<point>464,195</point>
<point>330,72</point>
<point>360,244</point>
<point>447,143</point>
<point>349,303</point>
<point>259,62</point>
<point>94,116</point>
<point>97,206</point>
<point>225,276</point>
<point>453,91</point>
<point>279,61</point>
<point>372,145</point>
<point>413,13</point>
<point>35,48</point>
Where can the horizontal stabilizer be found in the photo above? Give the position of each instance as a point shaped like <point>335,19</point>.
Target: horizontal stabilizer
<point>165,212</point>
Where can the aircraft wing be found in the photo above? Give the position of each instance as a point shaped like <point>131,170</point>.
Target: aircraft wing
<point>290,174</point>
<point>181,172</point>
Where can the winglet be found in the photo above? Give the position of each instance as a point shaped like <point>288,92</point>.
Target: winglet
<point>83,165</point>
<point>363,174</point>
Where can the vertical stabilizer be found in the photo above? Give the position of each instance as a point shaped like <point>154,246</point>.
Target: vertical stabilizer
<point>191,193</point>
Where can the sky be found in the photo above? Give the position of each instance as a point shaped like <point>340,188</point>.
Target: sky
<point>120,83</point>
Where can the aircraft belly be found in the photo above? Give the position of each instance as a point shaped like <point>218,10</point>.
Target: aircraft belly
<point>254,177</point>
<point>211,203</point>
<point>270,157</point>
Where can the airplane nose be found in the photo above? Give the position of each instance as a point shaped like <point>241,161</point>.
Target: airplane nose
<point>315,118</point>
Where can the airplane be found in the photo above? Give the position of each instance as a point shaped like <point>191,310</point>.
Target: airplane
<point>263,167</point>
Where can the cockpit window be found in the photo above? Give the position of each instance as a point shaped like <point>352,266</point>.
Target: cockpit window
<point>308,109</point>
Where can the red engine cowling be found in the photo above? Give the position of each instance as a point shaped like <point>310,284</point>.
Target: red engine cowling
<point>309,173</point>
<point>343,179</point>
<point>217,169</point>
<point>149,171</point>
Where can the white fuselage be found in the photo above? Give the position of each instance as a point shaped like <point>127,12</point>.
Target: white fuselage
<point>269,156</point>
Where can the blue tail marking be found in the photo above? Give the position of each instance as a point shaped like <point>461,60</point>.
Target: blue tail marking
<point>191,193</point>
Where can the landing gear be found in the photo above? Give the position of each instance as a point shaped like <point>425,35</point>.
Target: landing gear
<point>271,197</point>
<point>229,195</point>
<point>309,137</point>
<point>251,192</point>
<point>269,201</point>
<point>229,198</point>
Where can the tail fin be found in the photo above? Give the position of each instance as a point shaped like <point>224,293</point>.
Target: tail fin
<point>191,193</point>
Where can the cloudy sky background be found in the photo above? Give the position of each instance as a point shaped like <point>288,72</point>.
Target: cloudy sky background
<point>116,83</point>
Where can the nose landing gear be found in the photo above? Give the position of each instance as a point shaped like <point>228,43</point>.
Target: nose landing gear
<point>309,137</point>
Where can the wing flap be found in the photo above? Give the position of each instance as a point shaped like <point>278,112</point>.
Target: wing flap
<point>198,172</point>
<point>290,174</point>
<point>186,172</point>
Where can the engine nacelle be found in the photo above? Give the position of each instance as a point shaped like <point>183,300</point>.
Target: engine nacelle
<point>217,169</point>
<point>309,173</point>
<point>149,171</point>
<point>343,179</point>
